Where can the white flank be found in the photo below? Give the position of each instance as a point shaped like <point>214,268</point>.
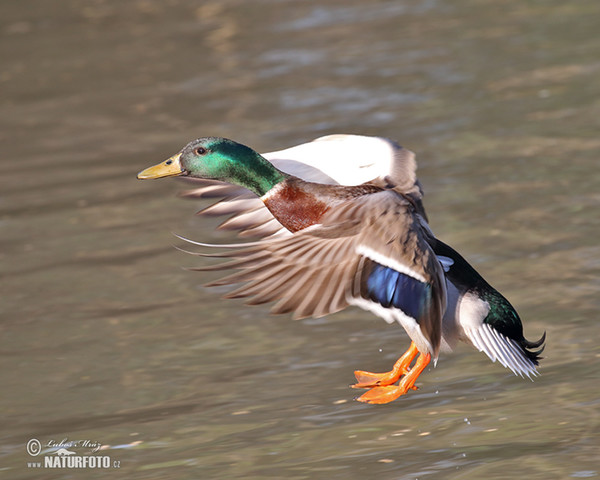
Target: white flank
<point>391,315</point>
<point>389,262</point>
<point>471,311</point>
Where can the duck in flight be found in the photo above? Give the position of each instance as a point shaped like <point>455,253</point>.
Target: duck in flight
<point>341,222</point>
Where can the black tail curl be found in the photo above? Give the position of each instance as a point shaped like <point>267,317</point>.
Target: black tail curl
<point>528,349</point>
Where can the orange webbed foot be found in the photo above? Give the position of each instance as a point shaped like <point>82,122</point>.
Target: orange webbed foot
<point>369,379</point>
<point>401,367</point>
<point>382,394</point>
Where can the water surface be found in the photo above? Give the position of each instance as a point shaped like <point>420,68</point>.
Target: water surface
<point>104,337</point>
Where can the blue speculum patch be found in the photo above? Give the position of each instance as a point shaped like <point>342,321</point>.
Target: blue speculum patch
<point>391,288</point>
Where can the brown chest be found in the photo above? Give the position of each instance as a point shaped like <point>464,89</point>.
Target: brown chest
<point>295,208</point>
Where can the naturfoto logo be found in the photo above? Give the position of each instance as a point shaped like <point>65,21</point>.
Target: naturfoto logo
<point>64,454</point>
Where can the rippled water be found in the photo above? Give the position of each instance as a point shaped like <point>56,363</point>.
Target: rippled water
<point>105,338</point>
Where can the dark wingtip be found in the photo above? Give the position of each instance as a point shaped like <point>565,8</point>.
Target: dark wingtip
<point>533,355</point>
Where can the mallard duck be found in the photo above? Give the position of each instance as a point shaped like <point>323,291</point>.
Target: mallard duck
<point>326,246</point>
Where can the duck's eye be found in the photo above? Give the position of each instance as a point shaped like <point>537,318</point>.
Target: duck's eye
<point>200,151</point>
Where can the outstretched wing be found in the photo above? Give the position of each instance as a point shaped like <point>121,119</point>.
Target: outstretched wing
<point>371,252</point>
<point>333,159</point>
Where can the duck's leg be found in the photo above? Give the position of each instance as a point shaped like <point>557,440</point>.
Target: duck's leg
<point>388,393</point>
<point>401,367</point>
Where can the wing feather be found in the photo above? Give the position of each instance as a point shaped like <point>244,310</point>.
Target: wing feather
<point>317,270</point>
<point>248,218</point>
<point>204,188</point>
<point>229,206</point>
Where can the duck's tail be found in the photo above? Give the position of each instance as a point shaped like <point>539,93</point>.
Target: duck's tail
<point>529,348</point>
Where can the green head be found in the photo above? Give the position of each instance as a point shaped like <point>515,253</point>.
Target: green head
<point>220,159</point>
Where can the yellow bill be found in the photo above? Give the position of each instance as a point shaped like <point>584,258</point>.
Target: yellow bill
<point>169,168</point>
